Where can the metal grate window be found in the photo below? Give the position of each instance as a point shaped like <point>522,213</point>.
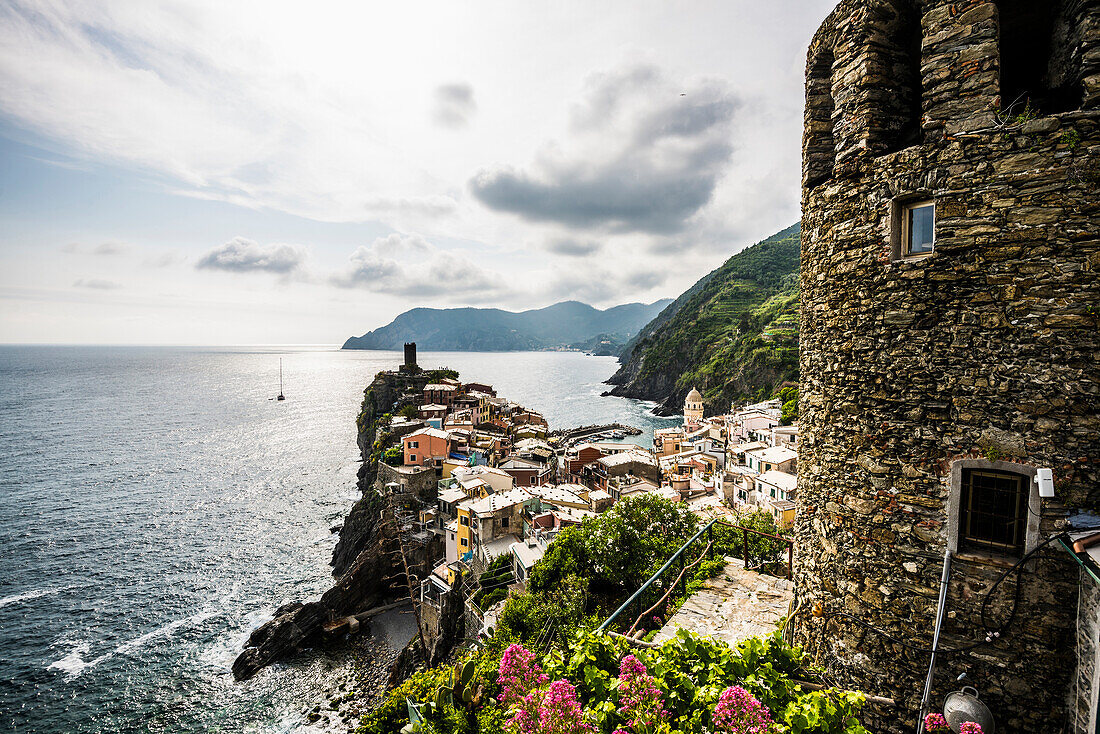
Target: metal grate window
<point>994,510</point>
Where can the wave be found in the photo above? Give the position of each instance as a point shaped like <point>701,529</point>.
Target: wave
<point>161,631</point>
<point>73,664</point>
<point>27,595</point>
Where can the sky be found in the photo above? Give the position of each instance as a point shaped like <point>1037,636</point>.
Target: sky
<point>265,172</point>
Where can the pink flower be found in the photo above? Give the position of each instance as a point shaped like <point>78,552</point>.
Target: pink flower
<point>935,723</point>
<point>640,700</point>
<point>738,712</point>
<point>519,674</point>
<point>532,708</point>
<point>970,727</point>
<point>561,712</point>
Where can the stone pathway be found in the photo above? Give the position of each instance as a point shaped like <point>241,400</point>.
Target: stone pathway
<point>734,606</point>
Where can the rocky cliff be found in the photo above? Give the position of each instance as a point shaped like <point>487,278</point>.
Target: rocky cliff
<point>366,561</point>
<point>733,335</point>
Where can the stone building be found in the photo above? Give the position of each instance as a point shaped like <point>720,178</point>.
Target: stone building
<point>949,347</point>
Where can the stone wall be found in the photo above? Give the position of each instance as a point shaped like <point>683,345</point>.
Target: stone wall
<point>987,350</point>
<point>420,480</point>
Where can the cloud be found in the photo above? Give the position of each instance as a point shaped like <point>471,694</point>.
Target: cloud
<point>408,265</point>
<point>572,247</point>
<point>104,248</point>
<point>645,155</point>
<point>453,105</point>
<point>241,255</point>
<point>600,285</point>
<point>97,284</point>
<point>164,260</point>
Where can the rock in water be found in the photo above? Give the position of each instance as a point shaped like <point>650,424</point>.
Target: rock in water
<point>281,637</point>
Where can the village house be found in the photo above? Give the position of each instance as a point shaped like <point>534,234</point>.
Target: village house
<point>439,393</point>
<point>488,525</point>
<point>479,481</point>
<point>433,414</point>
<point>785,436</point>
<point>597,474</point>
<point>778,458</point>
<point>774,485</point>
<point>577,457</point>
<point>738,482</point>
<point>736,454</point>
<point>527,552</point>
<point>668,441</point>
<point>472,388</point>
<point>743,424</point>
<point>426,447</point>
<point>625,486</point>
<point>526,472</point>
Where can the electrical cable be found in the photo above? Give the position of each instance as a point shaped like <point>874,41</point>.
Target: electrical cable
<point>991,635</point>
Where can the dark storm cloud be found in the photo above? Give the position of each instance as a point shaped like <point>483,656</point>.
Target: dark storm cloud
<point>648,156</point>
<point>454,105</point>
<point>241,255</point>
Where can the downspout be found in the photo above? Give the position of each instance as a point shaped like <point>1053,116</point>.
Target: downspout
<point>926,699</point>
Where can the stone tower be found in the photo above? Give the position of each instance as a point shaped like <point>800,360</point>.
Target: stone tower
<point>950,343</point>
<point>410,358</point>
<point>693,408</point>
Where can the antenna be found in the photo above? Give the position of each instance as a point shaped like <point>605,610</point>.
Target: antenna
<point>281,396</point>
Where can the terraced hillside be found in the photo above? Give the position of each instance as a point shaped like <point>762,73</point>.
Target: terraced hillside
<point>733,335</point>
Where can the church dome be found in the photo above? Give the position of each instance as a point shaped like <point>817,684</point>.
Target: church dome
<point>694,396</point>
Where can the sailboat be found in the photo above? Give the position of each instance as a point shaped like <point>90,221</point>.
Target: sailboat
<point>281,396</point>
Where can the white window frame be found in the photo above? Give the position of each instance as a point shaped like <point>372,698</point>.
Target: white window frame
<point>905,234</point>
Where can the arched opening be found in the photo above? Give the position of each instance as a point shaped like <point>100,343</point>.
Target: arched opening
<point>900,126</point>
<point>1039,55</point>
<point>819,144</point>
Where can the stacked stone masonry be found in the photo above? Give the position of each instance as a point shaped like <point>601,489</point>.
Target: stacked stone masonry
<point>985,353</point>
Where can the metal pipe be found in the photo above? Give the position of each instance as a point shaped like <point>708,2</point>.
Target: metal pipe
<point>626,604</point>
<point>927,697</point>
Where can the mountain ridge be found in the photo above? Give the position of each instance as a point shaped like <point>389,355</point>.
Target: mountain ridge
<point>563,324</point>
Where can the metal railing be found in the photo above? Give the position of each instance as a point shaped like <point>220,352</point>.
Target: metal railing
<point>678,560</point>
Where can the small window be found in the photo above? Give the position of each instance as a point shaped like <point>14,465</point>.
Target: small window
<point>412,458</point>
<point>993,510</point>
<point>414,444</point>
<point>504,522</point>
<point>919,228</point>
<point>465,520</point>
<point>465,543</point>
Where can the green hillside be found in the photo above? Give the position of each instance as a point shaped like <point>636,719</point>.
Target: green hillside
<point>733,335</point>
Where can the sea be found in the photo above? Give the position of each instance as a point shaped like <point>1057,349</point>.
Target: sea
<point>156,504</point>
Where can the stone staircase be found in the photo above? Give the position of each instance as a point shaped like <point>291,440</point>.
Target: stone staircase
<point>733,606</point>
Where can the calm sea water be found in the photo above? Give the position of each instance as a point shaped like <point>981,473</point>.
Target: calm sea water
<point>156,504</point>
